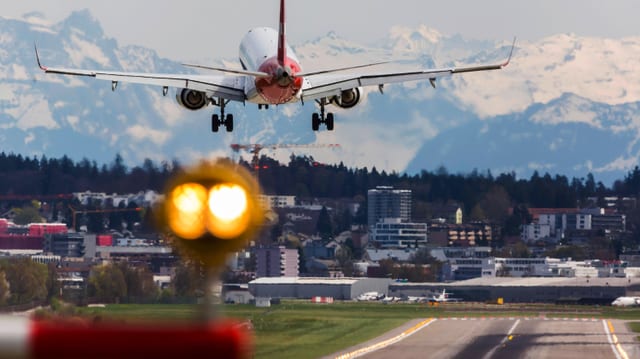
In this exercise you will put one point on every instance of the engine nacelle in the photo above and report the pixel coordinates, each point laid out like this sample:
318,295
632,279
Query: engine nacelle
348,98
191,99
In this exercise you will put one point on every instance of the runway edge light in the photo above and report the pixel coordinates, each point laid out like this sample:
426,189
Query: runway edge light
211,210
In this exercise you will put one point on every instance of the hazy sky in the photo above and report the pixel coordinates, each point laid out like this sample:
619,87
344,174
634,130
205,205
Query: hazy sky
195,29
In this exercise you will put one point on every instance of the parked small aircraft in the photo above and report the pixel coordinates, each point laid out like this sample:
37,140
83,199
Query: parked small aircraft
370,296
626,302
444,297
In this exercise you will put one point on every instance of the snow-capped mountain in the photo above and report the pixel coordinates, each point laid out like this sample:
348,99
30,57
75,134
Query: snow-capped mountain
566,104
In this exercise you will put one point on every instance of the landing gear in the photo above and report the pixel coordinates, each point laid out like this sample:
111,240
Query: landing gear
228,123
317,119
217,121
329,121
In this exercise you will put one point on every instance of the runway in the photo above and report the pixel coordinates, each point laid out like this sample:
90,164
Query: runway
486,338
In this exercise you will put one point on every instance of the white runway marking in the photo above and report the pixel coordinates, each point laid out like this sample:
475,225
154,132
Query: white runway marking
490,352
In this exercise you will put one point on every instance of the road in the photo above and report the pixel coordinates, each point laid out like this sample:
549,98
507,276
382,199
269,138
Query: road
485,338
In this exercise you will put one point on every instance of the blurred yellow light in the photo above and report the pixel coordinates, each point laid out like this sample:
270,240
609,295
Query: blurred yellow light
186,210
228,209
227,202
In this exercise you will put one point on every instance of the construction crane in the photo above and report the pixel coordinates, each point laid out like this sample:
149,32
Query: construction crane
256,148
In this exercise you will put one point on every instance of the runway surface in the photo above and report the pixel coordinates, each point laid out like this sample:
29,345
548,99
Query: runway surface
485,338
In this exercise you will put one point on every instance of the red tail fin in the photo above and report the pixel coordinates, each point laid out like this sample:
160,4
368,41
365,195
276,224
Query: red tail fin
282,51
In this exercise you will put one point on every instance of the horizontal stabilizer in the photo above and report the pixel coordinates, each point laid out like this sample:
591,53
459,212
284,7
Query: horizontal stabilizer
312,73
231,71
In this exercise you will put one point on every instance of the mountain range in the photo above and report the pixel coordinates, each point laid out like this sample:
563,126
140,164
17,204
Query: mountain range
565,105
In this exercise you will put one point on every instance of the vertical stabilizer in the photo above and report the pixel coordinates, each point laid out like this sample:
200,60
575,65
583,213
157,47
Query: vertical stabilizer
282,52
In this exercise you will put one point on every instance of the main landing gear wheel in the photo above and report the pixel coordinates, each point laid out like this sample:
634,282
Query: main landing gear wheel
317,119
216,123
228,123
329,121
221,120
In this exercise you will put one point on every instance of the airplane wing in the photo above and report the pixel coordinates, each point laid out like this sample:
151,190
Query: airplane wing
230,87
328,85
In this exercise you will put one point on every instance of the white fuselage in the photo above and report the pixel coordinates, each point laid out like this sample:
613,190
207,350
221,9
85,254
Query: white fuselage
626,302
258,52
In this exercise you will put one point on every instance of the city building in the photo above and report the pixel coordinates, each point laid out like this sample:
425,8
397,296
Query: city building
300,219
535,231
527,290
65,245
475,262
276,262
269,201
306,288
387,202
394,233
143,198
554,224
609,222
460,235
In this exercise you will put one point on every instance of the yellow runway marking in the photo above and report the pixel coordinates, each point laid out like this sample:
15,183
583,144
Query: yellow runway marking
385,343
615,343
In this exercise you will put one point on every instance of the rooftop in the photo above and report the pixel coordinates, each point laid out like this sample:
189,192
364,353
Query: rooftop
533,282
305,280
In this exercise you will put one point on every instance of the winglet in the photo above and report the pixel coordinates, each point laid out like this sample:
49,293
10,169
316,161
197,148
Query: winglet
282,51
510,53
43,68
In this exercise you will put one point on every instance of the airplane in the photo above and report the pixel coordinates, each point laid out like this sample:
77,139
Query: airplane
271,75
626,302
444,297
391,299
419,299
370,296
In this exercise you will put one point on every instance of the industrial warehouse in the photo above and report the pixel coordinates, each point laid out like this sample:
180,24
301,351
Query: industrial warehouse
306,288
512,290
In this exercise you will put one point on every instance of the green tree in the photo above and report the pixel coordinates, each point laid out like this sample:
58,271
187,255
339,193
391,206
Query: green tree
139,281
494,205
189,279
324,226
27,214
52,283
421,258
107,283
5,293
361,213
27,279
519,218
344,257
387,268
344,221
516,250
574,252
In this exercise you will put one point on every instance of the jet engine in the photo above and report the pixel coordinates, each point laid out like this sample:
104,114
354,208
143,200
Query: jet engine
347,98
191,99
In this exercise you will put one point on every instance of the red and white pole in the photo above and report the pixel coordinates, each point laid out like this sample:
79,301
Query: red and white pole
21,337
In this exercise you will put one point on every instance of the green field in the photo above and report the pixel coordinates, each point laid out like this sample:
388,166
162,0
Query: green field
635,327
296,329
